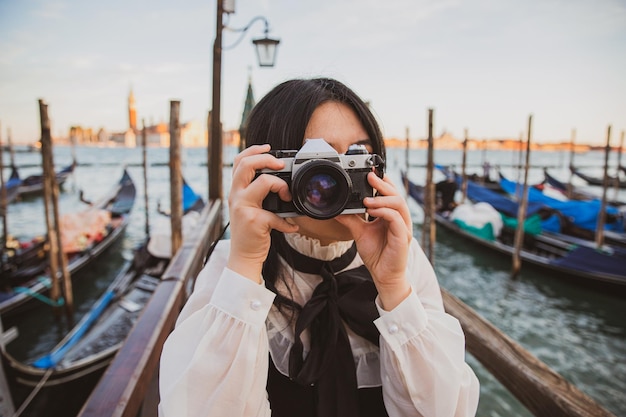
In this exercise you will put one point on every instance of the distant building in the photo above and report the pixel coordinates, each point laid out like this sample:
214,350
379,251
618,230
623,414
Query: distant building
103,136
231,137
127,138
81,135
132,112
447,141
191,135
157,135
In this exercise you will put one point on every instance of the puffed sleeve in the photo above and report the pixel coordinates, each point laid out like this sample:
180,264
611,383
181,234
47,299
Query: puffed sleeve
215,362
422,352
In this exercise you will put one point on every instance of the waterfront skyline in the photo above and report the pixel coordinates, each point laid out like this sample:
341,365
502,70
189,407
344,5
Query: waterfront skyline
481,64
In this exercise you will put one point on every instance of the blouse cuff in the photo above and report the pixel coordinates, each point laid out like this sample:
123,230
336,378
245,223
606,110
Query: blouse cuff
241,298
403,323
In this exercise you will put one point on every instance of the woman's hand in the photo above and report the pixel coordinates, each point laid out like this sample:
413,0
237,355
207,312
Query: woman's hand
383,244
250,224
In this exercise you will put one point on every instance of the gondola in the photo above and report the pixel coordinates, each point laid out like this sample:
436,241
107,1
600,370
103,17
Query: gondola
33,184
12,186
70,371
573,260
579,218
483,179
612,181
571,220
24,279
566,190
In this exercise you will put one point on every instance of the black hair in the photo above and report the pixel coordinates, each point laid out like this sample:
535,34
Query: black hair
281,117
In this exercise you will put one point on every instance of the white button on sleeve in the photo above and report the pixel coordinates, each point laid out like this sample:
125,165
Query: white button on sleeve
242,298
403,323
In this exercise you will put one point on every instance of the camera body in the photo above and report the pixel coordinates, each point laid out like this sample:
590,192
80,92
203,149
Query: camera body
323,183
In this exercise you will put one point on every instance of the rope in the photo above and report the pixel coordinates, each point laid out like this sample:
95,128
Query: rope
46,300
33,393
212,246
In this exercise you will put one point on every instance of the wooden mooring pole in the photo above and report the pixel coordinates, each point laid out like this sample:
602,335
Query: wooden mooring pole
605,185
11,150
618,168
406,150
521,211
619,153
518,168
464,170
58,260
176,178
483,160
146,200
429,231
216,191
3,197
51,245
570,187
406,160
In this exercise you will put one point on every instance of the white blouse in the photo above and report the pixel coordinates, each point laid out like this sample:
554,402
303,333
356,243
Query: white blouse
215,362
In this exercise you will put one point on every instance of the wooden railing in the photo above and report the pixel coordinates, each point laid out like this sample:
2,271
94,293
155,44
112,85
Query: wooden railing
128,387
533,383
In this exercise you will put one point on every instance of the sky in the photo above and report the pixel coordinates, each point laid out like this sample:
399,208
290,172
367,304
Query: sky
482,65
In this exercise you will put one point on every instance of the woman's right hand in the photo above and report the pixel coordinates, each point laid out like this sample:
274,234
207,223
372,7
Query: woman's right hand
250,224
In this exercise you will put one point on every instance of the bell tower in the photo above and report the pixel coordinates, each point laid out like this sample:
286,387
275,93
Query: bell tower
132,112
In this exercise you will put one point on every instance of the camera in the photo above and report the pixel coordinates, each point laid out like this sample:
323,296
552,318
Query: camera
323,183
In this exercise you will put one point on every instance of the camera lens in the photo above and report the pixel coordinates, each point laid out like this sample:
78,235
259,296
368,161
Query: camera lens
321,189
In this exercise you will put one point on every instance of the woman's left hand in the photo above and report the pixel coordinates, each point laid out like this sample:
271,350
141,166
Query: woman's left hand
384,243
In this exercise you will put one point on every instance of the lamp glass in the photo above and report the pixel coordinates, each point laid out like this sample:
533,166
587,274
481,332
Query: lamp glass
266,51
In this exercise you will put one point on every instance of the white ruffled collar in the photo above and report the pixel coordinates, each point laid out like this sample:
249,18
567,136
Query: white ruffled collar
313,248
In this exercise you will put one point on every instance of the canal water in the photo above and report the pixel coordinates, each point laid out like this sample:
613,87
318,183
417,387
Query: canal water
577,331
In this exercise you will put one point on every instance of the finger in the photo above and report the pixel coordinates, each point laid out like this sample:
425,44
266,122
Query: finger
384,186
264,184
255,152
394,202
396,224
282,225
252,150
276,222
252,225
248,167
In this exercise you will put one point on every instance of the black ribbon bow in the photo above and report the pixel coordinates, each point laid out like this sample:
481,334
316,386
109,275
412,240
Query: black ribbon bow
344,297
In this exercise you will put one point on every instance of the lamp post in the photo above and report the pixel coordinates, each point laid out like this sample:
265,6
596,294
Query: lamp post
266,54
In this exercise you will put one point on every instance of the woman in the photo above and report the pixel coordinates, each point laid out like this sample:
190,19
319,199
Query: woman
304,317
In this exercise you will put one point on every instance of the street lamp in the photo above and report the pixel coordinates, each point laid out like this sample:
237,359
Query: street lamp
266,54
265,47
266,51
